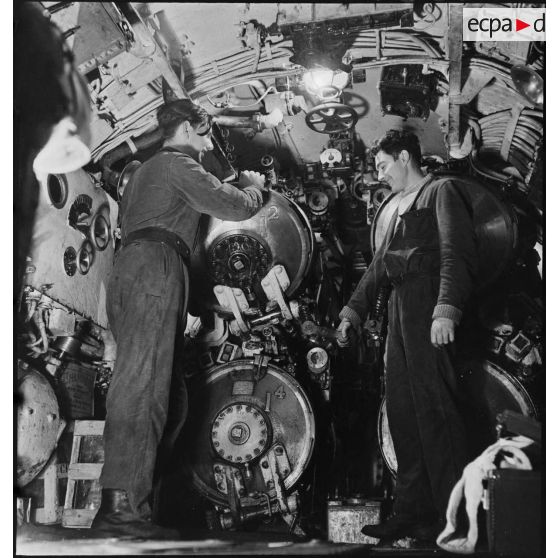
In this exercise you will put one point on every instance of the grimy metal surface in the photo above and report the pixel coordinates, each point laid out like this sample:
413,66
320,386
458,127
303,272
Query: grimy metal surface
39,424
287,406
280,226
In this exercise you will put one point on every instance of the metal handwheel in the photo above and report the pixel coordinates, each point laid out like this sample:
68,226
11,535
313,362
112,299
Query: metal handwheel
331,118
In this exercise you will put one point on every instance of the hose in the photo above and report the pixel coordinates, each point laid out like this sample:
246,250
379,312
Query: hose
260,99
523,146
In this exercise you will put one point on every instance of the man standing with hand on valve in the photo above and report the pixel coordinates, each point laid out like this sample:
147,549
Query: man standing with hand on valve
429,256
147,303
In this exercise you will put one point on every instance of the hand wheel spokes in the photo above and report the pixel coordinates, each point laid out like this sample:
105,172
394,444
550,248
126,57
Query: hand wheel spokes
331,118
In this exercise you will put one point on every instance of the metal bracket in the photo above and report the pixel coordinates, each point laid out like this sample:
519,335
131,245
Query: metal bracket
275,467
215,337
220,478
260,366
274,284
234,300
228,478
228,352
476,80
455,54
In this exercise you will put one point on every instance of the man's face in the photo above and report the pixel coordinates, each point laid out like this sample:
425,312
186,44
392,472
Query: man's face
200,138
390,170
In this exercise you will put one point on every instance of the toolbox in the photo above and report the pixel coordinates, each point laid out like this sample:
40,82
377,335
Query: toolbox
514,512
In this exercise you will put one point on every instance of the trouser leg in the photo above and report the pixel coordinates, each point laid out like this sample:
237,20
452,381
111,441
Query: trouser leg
412,491
168,455
441,433
145,301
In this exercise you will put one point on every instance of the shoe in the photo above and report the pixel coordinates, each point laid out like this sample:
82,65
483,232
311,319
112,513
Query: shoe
116,518
427,532
395,527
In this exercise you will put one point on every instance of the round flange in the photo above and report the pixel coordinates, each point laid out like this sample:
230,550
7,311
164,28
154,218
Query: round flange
318,202
57,188
331,118
240,254
99,231
288,418
239,260
85,257
240,433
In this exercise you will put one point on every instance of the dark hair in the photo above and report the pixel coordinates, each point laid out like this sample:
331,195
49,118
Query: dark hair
395,141
171,115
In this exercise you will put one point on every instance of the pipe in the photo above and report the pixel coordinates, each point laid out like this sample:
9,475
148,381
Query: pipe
265,319
111,176
238,122
257,122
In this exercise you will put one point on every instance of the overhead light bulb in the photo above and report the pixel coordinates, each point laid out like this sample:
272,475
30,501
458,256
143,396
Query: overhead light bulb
324,83
320,78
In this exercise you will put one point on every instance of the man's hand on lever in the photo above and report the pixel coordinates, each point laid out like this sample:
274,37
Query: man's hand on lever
344,336
251,178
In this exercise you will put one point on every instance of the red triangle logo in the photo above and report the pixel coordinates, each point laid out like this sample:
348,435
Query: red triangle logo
519,25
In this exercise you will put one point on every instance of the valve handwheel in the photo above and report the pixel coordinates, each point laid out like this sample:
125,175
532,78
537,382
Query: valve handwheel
331,118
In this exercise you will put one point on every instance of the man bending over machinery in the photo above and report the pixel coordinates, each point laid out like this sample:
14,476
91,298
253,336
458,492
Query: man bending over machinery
147,304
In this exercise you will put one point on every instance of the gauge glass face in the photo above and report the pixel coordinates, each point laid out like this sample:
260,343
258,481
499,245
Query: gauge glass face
70,261
57,189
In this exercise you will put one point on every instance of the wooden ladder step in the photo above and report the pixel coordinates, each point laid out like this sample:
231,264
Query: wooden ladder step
77,471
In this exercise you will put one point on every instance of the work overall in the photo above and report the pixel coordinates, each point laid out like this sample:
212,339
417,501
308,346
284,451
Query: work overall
427,430
147,301
147,400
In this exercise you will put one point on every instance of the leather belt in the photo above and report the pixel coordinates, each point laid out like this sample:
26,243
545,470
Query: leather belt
156,234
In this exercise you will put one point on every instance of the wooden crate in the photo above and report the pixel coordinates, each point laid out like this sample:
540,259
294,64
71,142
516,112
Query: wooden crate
47,492
83,493
48,489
